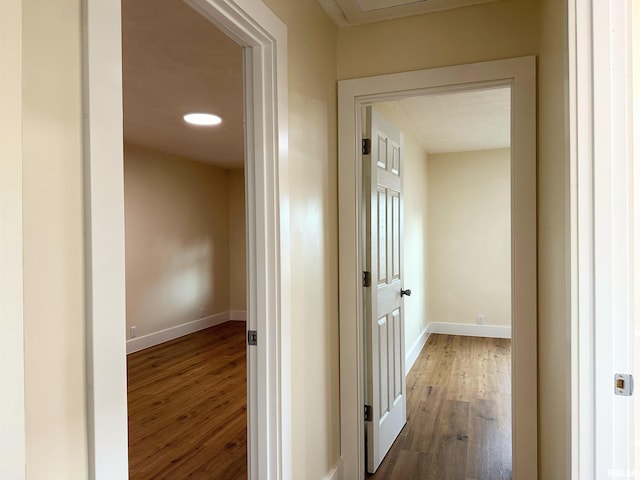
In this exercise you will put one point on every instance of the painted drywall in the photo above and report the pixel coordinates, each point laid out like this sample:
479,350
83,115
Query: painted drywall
415,262
554,360
469,237
464,35
54,310
177,239
12,440
237,243
314,236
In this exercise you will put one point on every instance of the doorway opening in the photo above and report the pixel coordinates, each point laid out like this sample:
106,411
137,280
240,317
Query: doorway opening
518,75
184,244
263,39
453,282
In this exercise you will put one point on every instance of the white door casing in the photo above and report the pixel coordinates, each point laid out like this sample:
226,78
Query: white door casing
520,75
386,382
264,38
603,191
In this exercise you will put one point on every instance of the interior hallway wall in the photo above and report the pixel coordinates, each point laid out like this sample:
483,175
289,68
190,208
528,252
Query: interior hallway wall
471,34
313,201
554,268
53,227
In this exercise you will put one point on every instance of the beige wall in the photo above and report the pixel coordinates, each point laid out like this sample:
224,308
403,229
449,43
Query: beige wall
314,236
178,229
237,243
12,439
56,423
415,263
553,245
469,237
472,34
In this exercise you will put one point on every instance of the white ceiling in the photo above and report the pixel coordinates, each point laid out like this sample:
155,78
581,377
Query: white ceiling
174,62
457,122
353,12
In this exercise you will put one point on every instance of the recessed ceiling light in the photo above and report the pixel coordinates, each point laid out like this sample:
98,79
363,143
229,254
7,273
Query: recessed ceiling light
206,119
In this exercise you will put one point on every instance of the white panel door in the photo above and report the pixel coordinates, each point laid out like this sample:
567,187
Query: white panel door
386,386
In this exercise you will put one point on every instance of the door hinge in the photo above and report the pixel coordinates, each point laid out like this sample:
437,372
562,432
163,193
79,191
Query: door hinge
366,146
623,384
366,279
252,337
368,414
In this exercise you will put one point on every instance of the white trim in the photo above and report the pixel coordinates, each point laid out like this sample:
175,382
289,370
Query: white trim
12,408
602,247
238,315
104,244
470,329
612,240
581,211
412,355
519,74
177,331
264,36
337,473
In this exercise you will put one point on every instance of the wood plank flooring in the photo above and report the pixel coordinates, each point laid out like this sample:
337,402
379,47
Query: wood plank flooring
188,407
458,413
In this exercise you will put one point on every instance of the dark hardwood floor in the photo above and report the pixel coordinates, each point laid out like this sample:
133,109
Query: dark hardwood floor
458,413
188,407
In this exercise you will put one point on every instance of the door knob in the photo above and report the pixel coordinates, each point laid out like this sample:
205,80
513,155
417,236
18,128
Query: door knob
405,292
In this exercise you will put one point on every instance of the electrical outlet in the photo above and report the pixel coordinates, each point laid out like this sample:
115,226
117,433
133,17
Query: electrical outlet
480,319
132,332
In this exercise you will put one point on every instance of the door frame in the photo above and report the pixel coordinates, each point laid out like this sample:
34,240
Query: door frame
605,209
264,38
520,75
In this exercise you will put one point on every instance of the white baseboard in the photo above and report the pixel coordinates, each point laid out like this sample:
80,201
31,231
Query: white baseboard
338,471
156,338
470,329
412,355
238,315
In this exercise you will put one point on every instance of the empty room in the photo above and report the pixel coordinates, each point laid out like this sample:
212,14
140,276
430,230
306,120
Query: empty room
184,190
440,357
